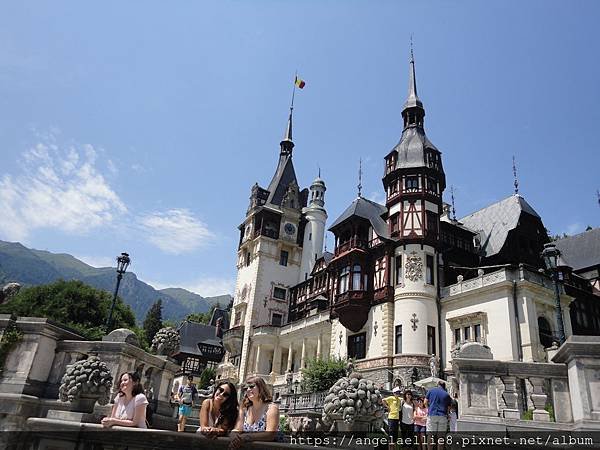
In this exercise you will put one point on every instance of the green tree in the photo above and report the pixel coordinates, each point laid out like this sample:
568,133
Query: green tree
205,377
153,321
73,304
320,374
203,317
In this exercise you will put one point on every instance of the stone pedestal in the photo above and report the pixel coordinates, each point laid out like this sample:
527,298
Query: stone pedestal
581,354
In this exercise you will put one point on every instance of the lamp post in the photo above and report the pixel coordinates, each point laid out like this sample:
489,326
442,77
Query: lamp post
550,254
122,264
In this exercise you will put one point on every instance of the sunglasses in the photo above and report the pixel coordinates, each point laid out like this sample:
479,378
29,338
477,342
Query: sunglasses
222,392
249,386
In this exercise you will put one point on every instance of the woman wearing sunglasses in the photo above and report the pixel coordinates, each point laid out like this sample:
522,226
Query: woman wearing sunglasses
258,419
219,413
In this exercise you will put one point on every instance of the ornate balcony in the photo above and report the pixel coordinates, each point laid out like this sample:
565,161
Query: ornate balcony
352,244
352,308
232,340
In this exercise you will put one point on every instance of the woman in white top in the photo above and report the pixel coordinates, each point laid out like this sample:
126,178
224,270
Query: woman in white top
129,409
407,420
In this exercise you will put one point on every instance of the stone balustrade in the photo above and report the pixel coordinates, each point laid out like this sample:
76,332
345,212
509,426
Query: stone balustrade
303,402
494,394
499,276
47,433
34,368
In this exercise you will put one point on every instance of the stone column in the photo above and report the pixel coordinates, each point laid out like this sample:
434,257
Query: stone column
277,360
258,355
510,398
303,357
538,398
319,345
290,357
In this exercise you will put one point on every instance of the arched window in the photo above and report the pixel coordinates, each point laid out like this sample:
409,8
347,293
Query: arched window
546,336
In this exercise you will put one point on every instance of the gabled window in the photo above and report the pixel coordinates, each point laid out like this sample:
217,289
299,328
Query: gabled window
357,346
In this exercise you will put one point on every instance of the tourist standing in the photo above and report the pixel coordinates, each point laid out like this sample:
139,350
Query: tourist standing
420,419
393,403
453,413
437,402
186,395
407,420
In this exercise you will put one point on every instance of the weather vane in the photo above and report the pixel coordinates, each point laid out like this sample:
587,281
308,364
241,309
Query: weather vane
452,197
359,177
515,176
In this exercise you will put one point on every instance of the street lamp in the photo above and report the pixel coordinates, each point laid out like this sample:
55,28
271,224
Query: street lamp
122,264
550,254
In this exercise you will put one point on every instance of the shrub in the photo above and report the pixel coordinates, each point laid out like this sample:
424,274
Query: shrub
320,374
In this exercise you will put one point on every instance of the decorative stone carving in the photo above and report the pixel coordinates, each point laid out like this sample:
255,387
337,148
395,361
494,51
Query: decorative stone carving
433,366
353,398
9,290
122,335
414,267
414,321
86,382
166,341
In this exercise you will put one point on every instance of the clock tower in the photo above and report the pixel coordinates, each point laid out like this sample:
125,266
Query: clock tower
268,265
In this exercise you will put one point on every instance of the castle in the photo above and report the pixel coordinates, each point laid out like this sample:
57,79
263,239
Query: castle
407,283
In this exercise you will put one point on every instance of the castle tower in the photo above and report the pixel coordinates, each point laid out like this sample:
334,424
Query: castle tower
314,232
269,256
414,182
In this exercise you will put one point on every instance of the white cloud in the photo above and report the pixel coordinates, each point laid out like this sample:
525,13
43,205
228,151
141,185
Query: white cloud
175,231
57,188
211,286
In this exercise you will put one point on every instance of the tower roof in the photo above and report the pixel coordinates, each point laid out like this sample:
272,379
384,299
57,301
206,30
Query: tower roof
284,175
494,222
582,250
366,209
413,99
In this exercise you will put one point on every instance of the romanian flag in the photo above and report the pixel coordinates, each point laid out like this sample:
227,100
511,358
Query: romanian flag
300,83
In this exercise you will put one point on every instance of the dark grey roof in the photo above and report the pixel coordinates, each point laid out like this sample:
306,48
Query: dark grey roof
284,175
220,313
193,333
493,222
582,250
413,99
327,256
369,210
411,148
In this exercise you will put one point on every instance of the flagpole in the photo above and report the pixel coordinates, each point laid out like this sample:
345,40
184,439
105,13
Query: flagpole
294,91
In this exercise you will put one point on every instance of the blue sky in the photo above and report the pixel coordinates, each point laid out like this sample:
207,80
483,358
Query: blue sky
140,126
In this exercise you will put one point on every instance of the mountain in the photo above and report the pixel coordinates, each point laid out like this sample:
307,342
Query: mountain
33,267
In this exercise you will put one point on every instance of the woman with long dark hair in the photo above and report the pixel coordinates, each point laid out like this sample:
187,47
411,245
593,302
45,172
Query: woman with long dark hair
258,419
129,409
219,413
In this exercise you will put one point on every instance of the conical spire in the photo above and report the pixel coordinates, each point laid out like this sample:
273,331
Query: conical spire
413,99
413,112
287,144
